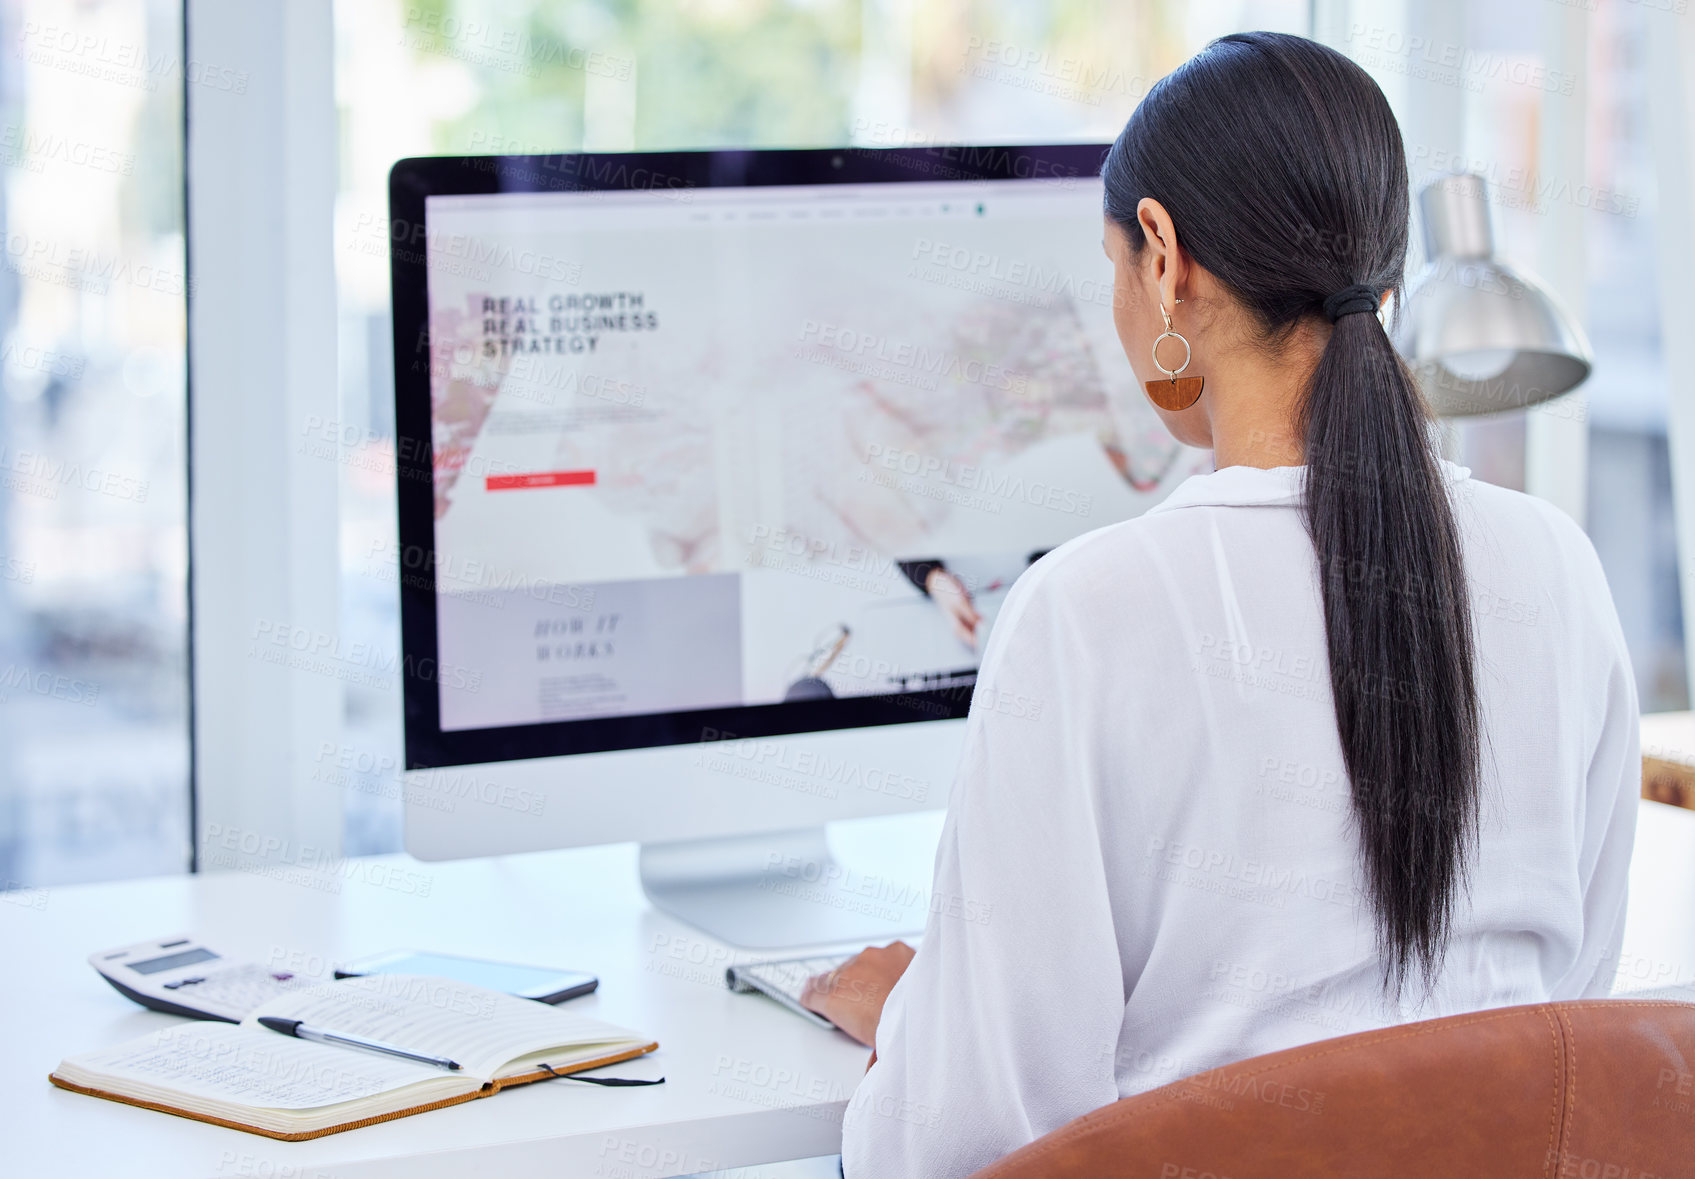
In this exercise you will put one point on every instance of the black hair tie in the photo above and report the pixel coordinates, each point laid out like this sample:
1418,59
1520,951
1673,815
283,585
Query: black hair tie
1355,300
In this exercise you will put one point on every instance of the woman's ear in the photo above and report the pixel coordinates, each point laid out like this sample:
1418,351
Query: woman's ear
1168,268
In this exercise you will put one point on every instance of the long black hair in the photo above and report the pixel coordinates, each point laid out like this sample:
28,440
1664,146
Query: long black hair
1282,169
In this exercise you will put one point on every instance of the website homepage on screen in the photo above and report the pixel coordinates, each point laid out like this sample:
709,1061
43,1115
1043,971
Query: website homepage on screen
730,447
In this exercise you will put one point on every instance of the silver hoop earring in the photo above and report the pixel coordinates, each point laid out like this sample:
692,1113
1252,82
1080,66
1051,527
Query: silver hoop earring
1175,392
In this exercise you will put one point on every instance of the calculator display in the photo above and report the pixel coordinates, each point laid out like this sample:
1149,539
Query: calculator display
186,958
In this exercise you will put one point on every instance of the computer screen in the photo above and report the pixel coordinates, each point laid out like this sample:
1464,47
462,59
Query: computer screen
744,459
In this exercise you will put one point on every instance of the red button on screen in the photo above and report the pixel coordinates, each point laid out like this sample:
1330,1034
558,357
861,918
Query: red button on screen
540,479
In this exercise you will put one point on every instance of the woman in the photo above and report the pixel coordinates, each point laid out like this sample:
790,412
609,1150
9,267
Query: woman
1334,738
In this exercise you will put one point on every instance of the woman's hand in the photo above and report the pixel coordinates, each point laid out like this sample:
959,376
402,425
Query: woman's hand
949,592
852,995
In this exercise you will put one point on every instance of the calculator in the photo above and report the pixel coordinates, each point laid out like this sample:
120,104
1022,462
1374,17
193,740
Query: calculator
184,976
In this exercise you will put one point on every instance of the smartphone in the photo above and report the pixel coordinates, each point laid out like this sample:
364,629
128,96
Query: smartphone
540,983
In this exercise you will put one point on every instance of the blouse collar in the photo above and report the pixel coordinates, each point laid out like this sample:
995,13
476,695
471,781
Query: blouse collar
1260,487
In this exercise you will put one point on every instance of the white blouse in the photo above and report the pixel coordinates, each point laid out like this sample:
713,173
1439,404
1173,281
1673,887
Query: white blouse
1148,867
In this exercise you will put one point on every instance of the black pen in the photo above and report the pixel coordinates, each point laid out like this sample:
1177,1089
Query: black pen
295,1027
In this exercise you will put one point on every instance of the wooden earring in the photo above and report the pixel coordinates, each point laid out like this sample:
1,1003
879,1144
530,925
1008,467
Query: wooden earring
1173,394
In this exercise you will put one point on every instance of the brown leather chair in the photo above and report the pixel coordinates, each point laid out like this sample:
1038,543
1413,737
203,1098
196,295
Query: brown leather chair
1599,1089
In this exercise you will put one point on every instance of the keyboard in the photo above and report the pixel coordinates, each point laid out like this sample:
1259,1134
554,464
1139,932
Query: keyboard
782,980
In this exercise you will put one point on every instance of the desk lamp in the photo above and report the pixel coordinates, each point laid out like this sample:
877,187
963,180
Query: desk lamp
1480,337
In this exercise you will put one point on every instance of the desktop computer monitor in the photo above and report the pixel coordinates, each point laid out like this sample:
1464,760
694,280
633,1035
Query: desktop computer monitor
714,469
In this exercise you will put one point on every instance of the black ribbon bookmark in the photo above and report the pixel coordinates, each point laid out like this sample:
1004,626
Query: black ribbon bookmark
609,1082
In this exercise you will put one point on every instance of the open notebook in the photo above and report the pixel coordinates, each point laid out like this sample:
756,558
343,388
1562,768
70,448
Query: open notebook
251,1078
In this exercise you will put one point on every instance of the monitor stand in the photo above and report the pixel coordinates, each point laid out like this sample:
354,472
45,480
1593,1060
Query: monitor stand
778,890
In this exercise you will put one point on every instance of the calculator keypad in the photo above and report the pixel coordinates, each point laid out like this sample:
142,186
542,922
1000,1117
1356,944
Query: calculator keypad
235,990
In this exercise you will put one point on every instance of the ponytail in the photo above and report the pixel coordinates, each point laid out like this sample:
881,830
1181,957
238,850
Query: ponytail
1282,168
1397,626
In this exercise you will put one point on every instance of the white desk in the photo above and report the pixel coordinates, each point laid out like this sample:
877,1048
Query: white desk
746,1081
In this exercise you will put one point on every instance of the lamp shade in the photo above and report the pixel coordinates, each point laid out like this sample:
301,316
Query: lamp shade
1479,336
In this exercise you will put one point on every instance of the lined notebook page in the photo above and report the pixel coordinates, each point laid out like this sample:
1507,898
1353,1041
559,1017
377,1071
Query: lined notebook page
481,1029
224,1062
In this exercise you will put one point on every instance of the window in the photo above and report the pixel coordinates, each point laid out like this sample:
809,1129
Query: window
1630,493
93,547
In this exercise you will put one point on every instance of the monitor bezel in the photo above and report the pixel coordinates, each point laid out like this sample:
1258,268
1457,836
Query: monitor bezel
411,182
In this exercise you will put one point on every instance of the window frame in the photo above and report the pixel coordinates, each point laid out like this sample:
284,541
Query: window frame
259,197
